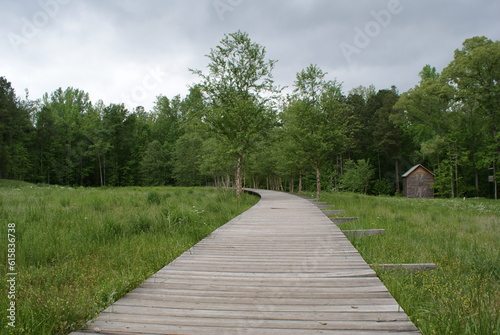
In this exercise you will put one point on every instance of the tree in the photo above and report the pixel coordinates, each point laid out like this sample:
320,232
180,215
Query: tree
134,142
115,135
388,135
61,142
458,109
430,117
475,72
154,165
364,92
316,119
15,130
187,159
99,145
216,162
238,88
166,126
357,176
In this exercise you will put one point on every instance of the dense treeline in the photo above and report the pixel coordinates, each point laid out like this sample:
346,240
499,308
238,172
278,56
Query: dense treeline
236,127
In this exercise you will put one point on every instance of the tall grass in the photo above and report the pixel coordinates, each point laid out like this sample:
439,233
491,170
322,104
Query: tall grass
78,250
462,237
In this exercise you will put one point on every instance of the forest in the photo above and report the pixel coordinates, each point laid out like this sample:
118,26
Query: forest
236,128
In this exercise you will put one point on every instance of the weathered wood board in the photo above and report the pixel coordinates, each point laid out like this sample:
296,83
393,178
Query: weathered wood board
340,220
279,268
363,232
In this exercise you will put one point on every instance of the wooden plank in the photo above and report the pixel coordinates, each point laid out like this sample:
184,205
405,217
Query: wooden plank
415,267
324,206
338,220
279,268
345,308
333,212
124,328
270,315
131,320
257,292
285,284
363,232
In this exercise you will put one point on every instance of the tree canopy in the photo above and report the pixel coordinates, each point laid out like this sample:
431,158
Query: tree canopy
238,80
235,128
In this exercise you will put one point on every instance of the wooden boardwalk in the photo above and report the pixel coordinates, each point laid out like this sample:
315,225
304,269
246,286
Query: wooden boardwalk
281,267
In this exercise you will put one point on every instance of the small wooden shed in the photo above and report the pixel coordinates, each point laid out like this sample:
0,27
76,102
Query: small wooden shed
417,182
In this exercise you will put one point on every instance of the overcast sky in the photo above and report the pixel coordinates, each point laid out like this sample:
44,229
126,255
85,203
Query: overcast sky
131,51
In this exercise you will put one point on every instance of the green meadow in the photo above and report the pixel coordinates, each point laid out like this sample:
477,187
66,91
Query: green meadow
79,250
462,237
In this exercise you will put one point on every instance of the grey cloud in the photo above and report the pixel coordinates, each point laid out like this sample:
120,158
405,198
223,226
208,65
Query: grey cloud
108,47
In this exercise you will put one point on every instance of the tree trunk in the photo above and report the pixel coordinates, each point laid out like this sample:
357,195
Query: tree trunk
495,180
104,180
457,186
100,170
300,183
397,176
239,175
318,182
476,174
451,182
380,168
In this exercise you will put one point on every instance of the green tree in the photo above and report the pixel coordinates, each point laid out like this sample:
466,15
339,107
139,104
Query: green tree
362,125
154,165
99,146
475,72
114,140
387,134
291,162
458,110
15,132
316,119
430,118
136,137
166,126
187,160
61,142
357,176
238,87
216,162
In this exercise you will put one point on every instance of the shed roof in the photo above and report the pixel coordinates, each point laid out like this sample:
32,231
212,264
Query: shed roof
407,173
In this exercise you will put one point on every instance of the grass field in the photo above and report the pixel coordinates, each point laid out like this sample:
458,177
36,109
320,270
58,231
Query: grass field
78,250
461,297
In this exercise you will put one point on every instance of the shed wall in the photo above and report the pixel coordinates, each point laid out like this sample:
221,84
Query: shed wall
418,184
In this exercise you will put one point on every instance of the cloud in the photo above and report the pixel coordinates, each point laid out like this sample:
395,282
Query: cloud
130,51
